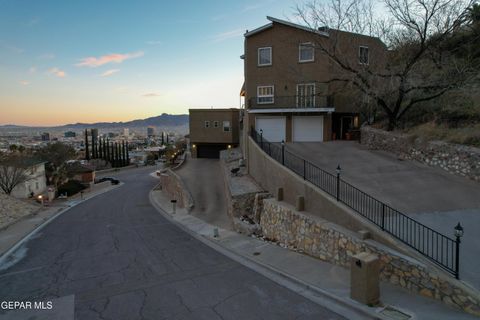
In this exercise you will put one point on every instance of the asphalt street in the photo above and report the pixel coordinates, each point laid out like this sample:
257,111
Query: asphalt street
116,257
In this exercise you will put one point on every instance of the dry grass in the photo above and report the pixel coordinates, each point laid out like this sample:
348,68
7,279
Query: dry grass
467,135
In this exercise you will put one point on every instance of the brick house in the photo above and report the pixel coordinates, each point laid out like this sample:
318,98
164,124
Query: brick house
288,90
212,130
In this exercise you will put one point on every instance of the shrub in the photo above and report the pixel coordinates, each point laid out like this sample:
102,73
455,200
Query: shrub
71,187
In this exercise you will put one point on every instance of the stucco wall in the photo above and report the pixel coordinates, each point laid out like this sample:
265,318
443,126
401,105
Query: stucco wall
326,241
456,159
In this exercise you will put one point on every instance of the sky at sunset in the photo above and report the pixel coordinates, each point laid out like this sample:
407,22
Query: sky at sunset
88,61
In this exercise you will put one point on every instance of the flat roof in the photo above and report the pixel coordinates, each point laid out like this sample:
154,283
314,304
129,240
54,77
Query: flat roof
213,109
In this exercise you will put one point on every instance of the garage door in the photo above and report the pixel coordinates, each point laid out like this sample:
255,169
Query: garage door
307,128
273,128
209,151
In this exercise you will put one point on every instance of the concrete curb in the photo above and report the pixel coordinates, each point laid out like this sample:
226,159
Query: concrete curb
315,294
4,257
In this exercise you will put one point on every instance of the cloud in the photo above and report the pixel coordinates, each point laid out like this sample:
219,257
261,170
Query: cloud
154,42
32,69
227,35
110,72
57,72
94,62
46,56
151,95
25,82
12,48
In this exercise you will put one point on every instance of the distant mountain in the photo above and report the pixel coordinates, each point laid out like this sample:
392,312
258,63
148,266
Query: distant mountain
164,120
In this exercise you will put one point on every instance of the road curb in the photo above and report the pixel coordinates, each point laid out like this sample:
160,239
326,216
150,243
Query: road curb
5,256
313,293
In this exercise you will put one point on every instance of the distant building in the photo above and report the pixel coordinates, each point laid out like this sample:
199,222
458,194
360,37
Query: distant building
111,135
70,134
36,182
126,132
94,133
150,132
45,136
212,130
80,172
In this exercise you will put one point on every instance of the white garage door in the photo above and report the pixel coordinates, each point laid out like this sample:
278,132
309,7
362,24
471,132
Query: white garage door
308,129
273,128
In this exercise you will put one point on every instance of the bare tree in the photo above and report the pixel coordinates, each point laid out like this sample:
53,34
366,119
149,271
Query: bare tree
12,173
417,66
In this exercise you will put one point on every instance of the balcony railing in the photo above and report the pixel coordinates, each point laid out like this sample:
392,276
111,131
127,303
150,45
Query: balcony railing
299,101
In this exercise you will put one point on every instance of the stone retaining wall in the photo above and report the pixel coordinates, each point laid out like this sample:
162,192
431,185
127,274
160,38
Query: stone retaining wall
329,242
457,159
173,185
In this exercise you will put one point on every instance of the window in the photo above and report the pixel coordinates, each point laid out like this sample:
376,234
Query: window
265,56
265,94
306,95
306,52
363,55
215,124
226,126
207,124
36,186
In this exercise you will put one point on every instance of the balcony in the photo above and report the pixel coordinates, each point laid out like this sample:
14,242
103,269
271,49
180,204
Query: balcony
290,102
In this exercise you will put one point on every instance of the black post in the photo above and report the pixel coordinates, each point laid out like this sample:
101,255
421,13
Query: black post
283,152
304,169
338,182
383,216
128,155
87,151
261,139
457,258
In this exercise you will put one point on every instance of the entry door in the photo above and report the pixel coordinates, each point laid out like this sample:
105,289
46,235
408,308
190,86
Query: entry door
273,128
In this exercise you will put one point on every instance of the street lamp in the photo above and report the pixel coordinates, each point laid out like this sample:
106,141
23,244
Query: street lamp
339,170
458,234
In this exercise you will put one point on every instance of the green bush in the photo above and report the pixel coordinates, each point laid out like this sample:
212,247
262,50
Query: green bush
71,187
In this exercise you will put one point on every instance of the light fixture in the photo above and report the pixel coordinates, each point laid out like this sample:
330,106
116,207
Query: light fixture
229,146
458,231
283,143
194,146
339,170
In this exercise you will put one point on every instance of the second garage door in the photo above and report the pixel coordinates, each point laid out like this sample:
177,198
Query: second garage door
273,128
307,129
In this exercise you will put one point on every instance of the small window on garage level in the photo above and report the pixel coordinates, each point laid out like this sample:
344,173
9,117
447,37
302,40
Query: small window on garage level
226,126
207,124
215,124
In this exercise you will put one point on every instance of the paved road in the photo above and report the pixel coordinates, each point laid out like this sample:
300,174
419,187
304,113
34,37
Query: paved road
204,179
120,259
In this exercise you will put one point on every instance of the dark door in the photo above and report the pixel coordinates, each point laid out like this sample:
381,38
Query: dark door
209,151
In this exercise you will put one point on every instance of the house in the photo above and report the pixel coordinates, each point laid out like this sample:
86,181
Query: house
291,90
212,130
79,172
36,180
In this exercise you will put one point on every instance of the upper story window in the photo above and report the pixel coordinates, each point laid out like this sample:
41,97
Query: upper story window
265,56
265,94
363,57
226,126
215,124
306,52
207,124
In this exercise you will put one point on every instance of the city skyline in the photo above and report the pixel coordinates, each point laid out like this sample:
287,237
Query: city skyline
91,62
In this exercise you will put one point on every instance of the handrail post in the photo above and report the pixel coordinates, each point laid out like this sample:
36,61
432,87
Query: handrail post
338,182
261,138
304,167
457,258
383,216
283,152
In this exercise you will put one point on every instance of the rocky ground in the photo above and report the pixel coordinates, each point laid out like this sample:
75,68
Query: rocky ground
12,209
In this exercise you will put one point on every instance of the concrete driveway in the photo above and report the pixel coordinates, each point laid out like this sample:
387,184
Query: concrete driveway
204,180
430,195
407,186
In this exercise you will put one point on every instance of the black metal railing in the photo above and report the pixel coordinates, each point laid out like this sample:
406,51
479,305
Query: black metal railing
440,249
298,101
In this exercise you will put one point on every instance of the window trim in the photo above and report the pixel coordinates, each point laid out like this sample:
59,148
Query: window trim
300,50
206,124
368,55
229,126
258,57
314,93
265,96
